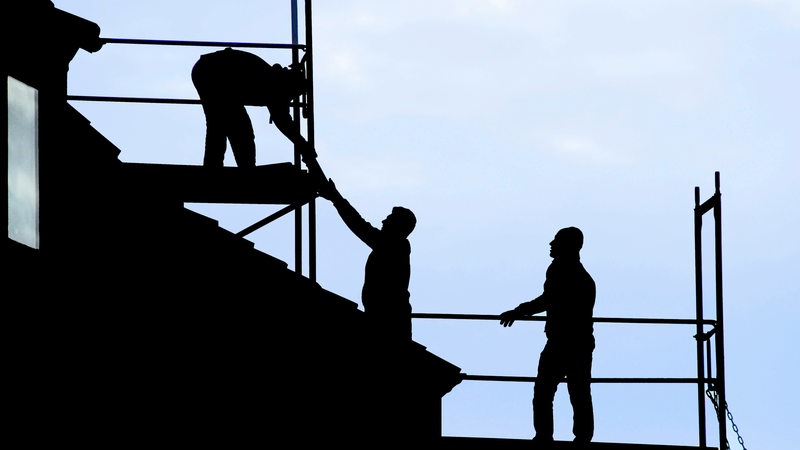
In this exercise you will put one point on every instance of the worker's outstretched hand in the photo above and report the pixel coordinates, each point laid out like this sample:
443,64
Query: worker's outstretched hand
328,191
309,156
307,151
507,318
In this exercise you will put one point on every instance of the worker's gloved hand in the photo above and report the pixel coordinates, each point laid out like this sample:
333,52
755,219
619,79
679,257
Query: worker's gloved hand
328,191
307,151
507,318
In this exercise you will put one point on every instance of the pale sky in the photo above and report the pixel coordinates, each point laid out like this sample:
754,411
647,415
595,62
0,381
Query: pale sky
497,123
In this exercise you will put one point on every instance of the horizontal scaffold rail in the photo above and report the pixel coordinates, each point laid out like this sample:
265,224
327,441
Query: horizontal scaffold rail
594,380
98,98
542,319
200,43
179,101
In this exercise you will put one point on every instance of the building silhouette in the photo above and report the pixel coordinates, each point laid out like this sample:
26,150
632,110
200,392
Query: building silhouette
137,321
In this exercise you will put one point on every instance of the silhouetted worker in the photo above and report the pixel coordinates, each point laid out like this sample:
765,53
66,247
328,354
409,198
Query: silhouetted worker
387,272
226,81
387,310
568,299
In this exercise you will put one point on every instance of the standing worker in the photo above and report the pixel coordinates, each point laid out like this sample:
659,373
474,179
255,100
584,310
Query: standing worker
568,299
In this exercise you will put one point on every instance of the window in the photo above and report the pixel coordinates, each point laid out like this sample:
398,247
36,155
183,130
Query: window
23,163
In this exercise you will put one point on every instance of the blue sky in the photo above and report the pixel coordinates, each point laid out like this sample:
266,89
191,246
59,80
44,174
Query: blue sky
497,123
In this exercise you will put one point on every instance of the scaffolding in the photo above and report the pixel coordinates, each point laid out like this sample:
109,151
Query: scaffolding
706,381
710,359
302,108
717,383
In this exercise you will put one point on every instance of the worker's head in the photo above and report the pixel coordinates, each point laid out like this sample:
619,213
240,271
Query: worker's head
292,79
401,221
568,241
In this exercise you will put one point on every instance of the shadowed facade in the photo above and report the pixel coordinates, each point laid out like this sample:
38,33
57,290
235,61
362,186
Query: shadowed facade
136,320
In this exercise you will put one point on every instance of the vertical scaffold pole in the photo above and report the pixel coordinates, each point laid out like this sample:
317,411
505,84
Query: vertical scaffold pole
720,334
698,271
298,213
312,208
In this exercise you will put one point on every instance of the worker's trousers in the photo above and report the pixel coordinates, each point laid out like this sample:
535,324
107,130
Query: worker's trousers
573,360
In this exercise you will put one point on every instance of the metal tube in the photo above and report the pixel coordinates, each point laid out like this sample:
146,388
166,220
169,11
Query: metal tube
309,115
198,43
720,337
613,380
641,320
698,270
298,213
